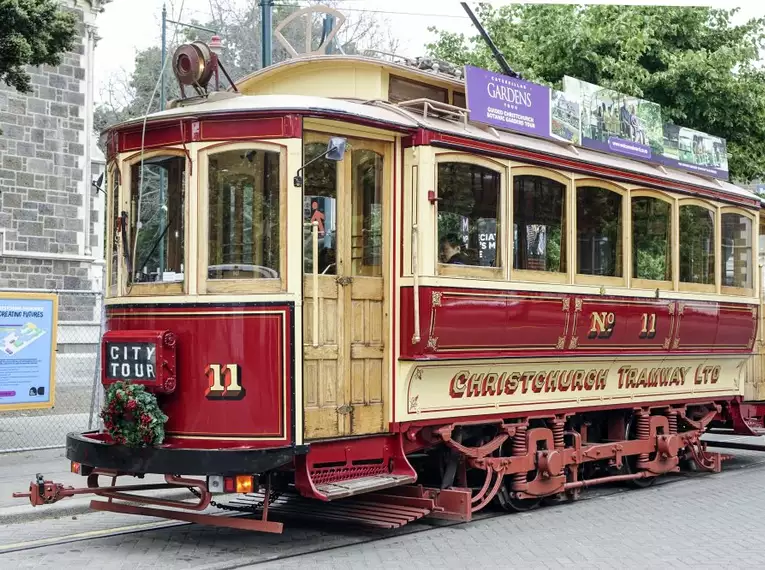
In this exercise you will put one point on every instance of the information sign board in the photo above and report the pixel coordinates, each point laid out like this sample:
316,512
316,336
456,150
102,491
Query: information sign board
28,324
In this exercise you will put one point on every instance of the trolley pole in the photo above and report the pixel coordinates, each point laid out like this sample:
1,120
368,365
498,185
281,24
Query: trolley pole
266,12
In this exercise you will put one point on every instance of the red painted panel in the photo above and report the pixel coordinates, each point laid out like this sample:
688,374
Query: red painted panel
230,129
611,323
464,323
737,327
255,338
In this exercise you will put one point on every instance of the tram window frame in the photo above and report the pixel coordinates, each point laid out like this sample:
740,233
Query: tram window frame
626,227
653,284
689,286
112,244
159,287
500,272
247,284
752,266
560,277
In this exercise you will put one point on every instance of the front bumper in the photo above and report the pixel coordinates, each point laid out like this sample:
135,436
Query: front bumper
90,449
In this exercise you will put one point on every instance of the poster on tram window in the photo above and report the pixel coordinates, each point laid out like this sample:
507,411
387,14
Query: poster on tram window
27,350
617,123
695,151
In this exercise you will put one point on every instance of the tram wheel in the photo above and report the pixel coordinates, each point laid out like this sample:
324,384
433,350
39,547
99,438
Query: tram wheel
630,463
509,502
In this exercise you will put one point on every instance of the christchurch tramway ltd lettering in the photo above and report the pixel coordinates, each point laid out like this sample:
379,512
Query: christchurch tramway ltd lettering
465,384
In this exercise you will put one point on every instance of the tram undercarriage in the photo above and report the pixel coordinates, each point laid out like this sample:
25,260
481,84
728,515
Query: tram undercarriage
448,471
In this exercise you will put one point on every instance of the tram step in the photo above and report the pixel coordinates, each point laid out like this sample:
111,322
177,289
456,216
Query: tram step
342,489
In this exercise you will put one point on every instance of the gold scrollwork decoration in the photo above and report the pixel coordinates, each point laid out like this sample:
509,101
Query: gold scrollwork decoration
433,342
436,299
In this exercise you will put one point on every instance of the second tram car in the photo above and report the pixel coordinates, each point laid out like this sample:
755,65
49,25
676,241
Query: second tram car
336,285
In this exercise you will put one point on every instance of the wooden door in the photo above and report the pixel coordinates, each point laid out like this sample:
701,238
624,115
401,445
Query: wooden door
345,321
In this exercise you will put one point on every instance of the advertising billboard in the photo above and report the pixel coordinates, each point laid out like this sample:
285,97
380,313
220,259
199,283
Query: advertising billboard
594,117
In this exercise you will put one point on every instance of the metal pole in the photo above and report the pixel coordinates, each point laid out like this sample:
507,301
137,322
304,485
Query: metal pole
266,10
497,54
164,55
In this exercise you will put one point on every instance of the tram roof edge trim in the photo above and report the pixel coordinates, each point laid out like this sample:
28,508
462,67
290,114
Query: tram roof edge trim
401,118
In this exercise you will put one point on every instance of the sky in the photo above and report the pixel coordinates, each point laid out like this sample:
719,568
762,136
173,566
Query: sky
128,26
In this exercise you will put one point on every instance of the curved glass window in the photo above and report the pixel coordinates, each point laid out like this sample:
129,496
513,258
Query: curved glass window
736,252
157,196
651,239
468,214
599,231
697,249
243,215
539,224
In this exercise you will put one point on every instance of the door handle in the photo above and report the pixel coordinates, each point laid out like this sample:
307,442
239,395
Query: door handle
344,281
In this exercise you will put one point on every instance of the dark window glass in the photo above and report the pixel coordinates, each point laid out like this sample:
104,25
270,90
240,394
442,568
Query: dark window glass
651,239
539,224
158,189
697,251
736,251
599,231
468,214
400,89
243,216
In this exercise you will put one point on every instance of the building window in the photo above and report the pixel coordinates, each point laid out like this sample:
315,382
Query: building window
468,214
243,215
736,252
697,250
599,231
539,224
400,89
157,195
651,239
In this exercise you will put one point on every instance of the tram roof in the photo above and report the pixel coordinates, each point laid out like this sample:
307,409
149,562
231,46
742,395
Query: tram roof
400,118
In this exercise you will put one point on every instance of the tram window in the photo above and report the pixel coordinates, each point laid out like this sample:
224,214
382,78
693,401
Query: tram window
157,194
697,250
458,100
366,241
651,250
400,89
736,254
320,206
599,231
468,214
243,215
539,224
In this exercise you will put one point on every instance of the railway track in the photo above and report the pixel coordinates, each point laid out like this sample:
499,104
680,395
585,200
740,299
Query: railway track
742,460
420,526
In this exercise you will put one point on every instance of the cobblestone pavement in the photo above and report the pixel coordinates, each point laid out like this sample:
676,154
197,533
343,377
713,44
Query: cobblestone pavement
688,521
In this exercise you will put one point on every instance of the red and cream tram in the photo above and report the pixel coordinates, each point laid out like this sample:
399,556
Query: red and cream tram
335,284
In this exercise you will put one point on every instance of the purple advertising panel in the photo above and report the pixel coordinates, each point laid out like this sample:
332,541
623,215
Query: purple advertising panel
507,103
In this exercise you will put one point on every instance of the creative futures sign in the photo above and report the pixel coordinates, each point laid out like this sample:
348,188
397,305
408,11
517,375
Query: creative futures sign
593,117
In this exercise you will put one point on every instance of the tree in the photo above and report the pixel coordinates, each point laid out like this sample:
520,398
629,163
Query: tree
694,62
32,32
237,22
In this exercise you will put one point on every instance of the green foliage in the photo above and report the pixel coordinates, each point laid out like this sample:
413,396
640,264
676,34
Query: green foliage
700,68
32,32
132,417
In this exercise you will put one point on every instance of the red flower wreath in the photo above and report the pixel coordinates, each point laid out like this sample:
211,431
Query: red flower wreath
132,417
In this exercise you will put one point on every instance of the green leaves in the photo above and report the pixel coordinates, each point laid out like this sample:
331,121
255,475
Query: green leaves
32,32
700,68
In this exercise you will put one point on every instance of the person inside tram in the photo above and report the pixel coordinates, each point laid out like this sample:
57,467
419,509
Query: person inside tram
451,250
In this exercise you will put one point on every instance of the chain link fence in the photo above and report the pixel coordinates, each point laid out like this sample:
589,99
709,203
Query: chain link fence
78,393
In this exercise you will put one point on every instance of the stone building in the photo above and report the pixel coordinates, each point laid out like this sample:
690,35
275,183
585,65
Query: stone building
51,218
